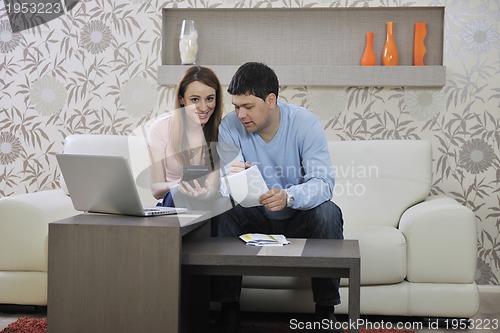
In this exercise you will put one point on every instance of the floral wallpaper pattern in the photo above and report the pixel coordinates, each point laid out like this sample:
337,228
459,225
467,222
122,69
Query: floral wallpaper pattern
93,70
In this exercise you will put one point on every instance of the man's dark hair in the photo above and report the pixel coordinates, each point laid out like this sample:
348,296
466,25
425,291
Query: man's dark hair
254,78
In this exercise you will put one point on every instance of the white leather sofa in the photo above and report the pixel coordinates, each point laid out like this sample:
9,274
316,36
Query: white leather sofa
418,253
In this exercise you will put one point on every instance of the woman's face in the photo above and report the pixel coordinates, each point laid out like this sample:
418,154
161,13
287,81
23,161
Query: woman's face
199,101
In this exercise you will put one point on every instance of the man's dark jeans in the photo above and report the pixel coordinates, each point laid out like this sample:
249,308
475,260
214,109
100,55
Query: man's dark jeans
324,221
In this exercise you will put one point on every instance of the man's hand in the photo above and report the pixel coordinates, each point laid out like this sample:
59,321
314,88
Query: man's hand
238,166
274,199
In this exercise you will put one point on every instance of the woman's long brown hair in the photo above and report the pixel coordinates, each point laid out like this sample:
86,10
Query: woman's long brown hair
210,129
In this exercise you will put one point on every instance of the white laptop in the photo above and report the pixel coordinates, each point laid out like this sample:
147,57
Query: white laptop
105,184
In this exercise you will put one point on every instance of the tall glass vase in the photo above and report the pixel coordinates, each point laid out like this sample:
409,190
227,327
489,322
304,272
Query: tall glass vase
368,58
419,48
188,42
390,52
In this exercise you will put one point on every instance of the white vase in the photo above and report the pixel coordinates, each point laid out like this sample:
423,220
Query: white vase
188,42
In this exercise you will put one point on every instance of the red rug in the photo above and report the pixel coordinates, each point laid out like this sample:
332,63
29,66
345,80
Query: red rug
27,325
39,325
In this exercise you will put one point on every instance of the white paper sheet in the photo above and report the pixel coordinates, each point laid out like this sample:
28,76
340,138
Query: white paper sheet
247,186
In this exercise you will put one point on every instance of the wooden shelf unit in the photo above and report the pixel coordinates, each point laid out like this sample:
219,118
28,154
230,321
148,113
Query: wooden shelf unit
307,46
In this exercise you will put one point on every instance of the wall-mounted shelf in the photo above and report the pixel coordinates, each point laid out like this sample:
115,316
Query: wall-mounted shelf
379,76
307,46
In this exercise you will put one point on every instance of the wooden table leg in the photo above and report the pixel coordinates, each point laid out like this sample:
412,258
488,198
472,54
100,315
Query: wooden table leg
354,298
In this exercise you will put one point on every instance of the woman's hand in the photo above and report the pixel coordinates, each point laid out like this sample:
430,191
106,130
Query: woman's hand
159,189
196,191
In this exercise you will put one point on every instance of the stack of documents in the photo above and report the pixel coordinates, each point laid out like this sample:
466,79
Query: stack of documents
264,240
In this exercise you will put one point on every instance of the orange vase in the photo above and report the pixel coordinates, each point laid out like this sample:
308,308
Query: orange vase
390,52
418,44
368,58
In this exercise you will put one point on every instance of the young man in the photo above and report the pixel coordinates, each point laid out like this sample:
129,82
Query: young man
288,145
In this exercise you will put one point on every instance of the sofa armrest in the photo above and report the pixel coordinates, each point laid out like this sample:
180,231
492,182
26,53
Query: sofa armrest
24,228
441,241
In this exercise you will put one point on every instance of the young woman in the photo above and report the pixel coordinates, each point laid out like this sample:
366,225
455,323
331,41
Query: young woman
185,138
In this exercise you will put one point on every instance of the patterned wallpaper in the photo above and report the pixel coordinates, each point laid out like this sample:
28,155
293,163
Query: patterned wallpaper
93,70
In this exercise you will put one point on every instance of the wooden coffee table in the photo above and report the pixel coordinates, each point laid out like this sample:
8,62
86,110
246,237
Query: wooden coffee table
303,257
113,273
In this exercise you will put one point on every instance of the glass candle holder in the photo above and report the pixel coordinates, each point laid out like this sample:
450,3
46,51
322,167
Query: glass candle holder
188,42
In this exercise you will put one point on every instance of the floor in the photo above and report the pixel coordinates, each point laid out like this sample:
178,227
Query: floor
487,320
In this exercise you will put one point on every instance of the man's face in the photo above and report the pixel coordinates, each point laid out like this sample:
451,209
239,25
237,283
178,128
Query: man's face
253,112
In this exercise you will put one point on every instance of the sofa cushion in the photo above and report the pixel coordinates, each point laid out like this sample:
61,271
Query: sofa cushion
383,253
23,288
376,181
24,228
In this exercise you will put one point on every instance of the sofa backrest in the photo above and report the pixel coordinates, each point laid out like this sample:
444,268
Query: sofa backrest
377,180
133,147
